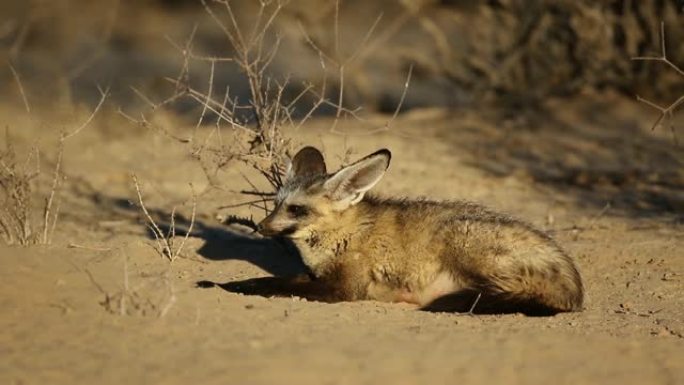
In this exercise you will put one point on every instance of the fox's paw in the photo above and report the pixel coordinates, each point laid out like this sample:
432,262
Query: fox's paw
259,286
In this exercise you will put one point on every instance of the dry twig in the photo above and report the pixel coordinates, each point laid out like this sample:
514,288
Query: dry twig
21,87
103,97
666,112
166,245
49,215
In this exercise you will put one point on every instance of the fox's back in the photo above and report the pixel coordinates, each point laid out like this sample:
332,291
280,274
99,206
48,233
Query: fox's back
425,248
429,230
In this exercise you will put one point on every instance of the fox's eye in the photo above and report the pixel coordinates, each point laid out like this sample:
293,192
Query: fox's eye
297,211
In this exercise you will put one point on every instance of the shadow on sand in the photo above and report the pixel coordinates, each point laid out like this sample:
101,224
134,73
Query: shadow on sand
593,153
278,257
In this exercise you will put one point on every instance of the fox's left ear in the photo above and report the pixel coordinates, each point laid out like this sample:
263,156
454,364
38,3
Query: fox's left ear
307,162
348,186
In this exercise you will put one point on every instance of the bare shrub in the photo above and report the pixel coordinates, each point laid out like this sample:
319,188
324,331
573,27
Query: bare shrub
166,244
18,192
139,294
252,132
257,140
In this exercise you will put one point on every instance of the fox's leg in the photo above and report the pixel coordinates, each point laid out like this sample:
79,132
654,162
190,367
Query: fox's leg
301,286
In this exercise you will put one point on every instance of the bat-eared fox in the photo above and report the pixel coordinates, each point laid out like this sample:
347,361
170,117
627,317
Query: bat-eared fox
441,256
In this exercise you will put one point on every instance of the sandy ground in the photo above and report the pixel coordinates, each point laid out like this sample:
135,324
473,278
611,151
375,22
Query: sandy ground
100,306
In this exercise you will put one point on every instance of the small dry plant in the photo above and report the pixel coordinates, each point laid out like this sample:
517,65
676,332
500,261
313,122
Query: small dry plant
140,293
166,244
666,112
19,185
251,132
18,179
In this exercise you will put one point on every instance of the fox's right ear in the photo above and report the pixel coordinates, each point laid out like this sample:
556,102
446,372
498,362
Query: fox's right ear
307,162
348,186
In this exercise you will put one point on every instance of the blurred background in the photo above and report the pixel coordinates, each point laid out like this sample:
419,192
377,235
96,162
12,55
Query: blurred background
462,51
544,89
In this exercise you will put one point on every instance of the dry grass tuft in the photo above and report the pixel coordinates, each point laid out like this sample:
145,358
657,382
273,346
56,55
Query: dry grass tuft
18,192
140,293
19,185
166,244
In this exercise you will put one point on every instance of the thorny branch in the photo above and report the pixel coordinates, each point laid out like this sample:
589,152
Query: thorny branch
666,112
257,124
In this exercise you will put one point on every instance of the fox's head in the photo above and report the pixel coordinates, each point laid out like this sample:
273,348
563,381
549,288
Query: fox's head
310,198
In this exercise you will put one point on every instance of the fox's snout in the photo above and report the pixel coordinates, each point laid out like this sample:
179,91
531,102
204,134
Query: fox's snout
264,227
271,227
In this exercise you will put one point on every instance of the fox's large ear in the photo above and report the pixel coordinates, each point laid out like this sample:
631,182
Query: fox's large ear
307,162
348,185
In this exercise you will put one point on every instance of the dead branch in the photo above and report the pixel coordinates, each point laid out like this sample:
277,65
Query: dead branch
151,223
93,248
48,229
666,112
103,97
663,53
21,87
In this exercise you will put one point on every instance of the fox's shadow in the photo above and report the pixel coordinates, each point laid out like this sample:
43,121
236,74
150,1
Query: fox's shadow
278,257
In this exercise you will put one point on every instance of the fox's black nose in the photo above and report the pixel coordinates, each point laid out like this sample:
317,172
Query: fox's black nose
261,229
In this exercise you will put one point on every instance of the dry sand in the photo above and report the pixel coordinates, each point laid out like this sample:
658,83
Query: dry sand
99,306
